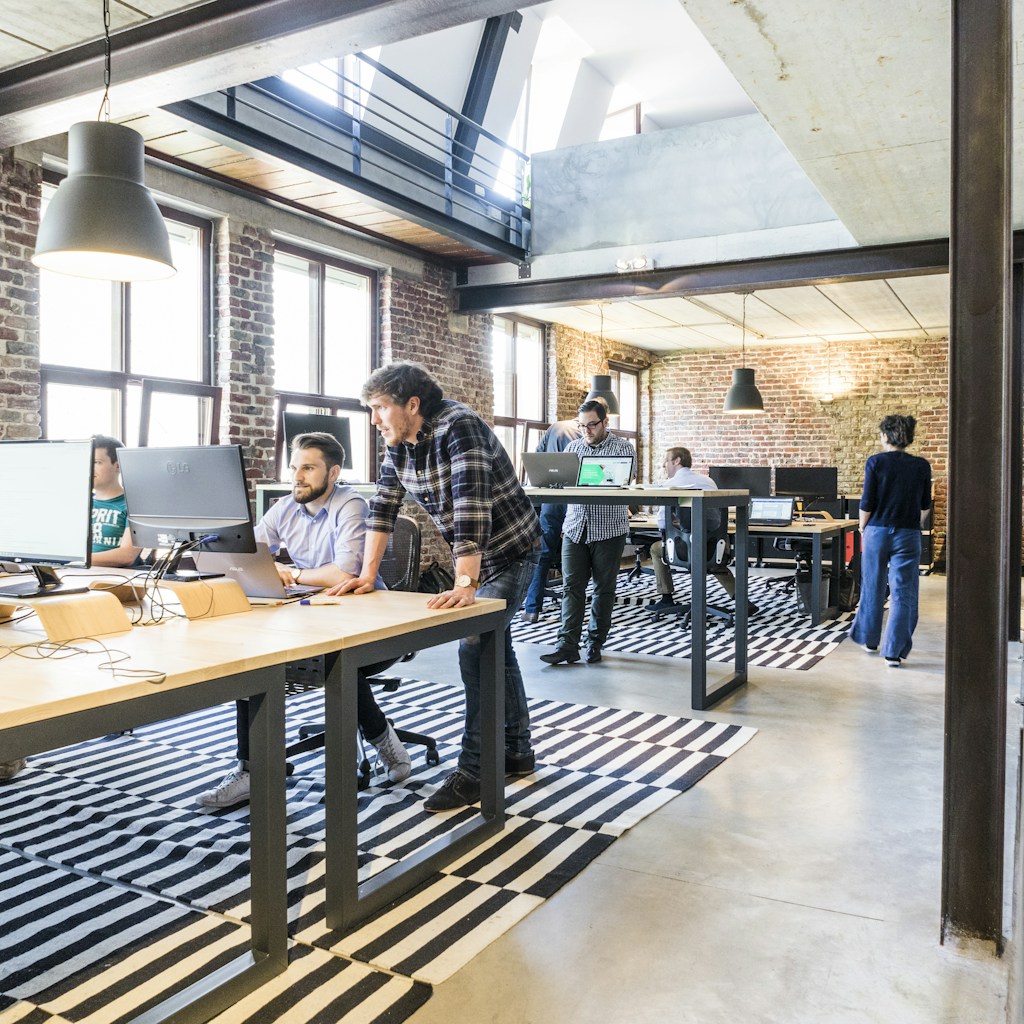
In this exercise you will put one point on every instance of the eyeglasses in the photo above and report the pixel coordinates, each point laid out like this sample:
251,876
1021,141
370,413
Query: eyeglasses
590,426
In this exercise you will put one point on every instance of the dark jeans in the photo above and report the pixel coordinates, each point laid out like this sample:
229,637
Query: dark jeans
372,722
599,560
510,586
893,556
551,519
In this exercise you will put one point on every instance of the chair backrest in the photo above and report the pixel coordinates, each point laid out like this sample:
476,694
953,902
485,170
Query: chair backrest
400,566
677,543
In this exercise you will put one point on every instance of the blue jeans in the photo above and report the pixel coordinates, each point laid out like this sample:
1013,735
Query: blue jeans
510,586
598,559
886,551
551,519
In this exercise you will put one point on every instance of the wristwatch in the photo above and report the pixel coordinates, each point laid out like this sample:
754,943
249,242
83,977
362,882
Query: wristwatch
296,573
466,581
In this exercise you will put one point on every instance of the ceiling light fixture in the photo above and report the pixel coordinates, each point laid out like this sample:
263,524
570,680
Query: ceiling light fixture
743,398
102,222
623,266
601,383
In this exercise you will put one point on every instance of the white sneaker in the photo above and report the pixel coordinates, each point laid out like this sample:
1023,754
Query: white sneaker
234,789
396,758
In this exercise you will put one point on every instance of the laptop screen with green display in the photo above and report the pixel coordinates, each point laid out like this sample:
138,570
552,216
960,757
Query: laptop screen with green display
605,470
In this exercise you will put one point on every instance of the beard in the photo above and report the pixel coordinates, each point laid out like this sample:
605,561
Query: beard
314,493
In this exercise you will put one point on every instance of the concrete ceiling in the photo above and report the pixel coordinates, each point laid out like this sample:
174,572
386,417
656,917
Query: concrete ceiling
858,92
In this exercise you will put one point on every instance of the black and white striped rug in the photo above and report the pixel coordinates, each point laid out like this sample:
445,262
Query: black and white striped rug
114,887
778,636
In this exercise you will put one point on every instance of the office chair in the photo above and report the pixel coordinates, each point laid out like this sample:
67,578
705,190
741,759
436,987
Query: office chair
676,552
641,538
801,549
400,570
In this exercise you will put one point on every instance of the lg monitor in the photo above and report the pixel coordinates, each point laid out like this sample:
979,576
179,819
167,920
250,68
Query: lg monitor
45,512
807,482
756,479
296,423
187,499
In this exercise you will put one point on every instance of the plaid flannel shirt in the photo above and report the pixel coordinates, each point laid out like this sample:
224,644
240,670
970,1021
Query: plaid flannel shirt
601,522
459,472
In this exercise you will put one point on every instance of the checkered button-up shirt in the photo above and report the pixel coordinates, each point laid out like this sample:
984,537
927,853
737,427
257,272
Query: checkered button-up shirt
599,522
459,472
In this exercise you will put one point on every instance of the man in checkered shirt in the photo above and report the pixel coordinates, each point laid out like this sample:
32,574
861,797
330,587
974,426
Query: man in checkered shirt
593,537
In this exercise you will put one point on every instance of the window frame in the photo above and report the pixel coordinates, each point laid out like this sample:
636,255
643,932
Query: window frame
522,426
616,369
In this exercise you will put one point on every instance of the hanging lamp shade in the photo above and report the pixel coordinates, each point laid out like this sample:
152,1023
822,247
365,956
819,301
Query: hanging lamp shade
743,397
601,387
102,222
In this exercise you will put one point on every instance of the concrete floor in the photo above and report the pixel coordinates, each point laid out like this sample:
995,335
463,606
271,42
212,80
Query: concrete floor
799,882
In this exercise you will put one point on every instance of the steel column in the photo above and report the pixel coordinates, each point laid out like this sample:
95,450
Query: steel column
1016,444
978,523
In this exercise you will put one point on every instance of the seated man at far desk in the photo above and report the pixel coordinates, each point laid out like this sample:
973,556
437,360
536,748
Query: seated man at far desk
679,473
323,526
111,541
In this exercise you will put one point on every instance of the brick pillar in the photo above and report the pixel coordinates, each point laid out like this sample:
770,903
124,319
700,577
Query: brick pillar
244,318
19,299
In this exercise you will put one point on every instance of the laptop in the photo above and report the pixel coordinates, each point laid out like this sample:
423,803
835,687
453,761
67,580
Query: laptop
605,470
256,574
770,512
552,469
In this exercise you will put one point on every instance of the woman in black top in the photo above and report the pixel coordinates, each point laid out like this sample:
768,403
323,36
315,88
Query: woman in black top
897,494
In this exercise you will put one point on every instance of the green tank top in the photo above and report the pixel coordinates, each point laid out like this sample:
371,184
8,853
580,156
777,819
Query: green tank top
109,518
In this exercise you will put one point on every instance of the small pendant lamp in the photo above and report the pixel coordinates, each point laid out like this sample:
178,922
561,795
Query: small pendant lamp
743,398
601,383
102,222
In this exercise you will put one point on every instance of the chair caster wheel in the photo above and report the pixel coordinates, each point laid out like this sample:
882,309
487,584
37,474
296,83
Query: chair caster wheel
433,757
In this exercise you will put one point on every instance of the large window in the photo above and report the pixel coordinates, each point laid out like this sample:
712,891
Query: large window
325,339
98,340
626,385
519,364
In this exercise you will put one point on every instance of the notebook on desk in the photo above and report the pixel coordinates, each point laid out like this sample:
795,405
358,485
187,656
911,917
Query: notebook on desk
551,469
605,470
770,512
256,574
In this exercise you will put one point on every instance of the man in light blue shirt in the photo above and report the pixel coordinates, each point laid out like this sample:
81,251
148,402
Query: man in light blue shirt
322,524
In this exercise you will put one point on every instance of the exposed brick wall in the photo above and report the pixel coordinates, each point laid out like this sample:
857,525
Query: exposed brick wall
869,380
19,299
244,317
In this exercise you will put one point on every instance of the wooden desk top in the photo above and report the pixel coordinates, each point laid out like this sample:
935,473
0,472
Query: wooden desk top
194,651
809,527
638,494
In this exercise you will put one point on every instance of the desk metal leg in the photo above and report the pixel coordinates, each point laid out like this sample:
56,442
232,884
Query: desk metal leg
222,989
347,902
816,579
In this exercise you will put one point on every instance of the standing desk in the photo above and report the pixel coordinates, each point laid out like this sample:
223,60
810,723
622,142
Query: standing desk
46,704
700,699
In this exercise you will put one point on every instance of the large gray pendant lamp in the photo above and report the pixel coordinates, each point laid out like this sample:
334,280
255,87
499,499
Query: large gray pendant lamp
743,398
102,222
601,383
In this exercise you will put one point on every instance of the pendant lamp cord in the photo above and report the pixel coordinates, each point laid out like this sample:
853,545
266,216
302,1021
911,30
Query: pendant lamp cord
104,112
743,357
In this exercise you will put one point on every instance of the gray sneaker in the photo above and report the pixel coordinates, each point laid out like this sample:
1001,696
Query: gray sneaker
8,769
394,756
234,789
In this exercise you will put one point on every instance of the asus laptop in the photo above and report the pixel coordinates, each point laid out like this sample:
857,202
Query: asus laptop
770,512
256,574
551,469
605,470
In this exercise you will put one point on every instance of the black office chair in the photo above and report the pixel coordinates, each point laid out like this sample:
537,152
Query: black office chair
801,549
400,570
642,539
676,552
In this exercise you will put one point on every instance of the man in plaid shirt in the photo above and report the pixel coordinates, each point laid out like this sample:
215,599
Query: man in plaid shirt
593,537
443,456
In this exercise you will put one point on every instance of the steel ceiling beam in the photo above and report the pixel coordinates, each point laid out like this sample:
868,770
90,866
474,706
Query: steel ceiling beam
207,47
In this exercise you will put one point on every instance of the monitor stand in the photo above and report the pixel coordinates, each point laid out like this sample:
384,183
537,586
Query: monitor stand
172,574
46,583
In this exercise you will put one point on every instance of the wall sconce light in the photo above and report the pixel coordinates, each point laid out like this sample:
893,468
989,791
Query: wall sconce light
743,398
103,222
623,266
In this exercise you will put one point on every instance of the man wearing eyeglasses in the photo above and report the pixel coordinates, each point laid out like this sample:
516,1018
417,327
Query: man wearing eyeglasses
593,537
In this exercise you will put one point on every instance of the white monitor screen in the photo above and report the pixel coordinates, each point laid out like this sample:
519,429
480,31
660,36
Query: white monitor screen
46,502
605,470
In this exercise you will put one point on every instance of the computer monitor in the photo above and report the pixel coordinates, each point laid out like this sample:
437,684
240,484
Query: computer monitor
296,423
185,499
807,482
45,512
756,479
